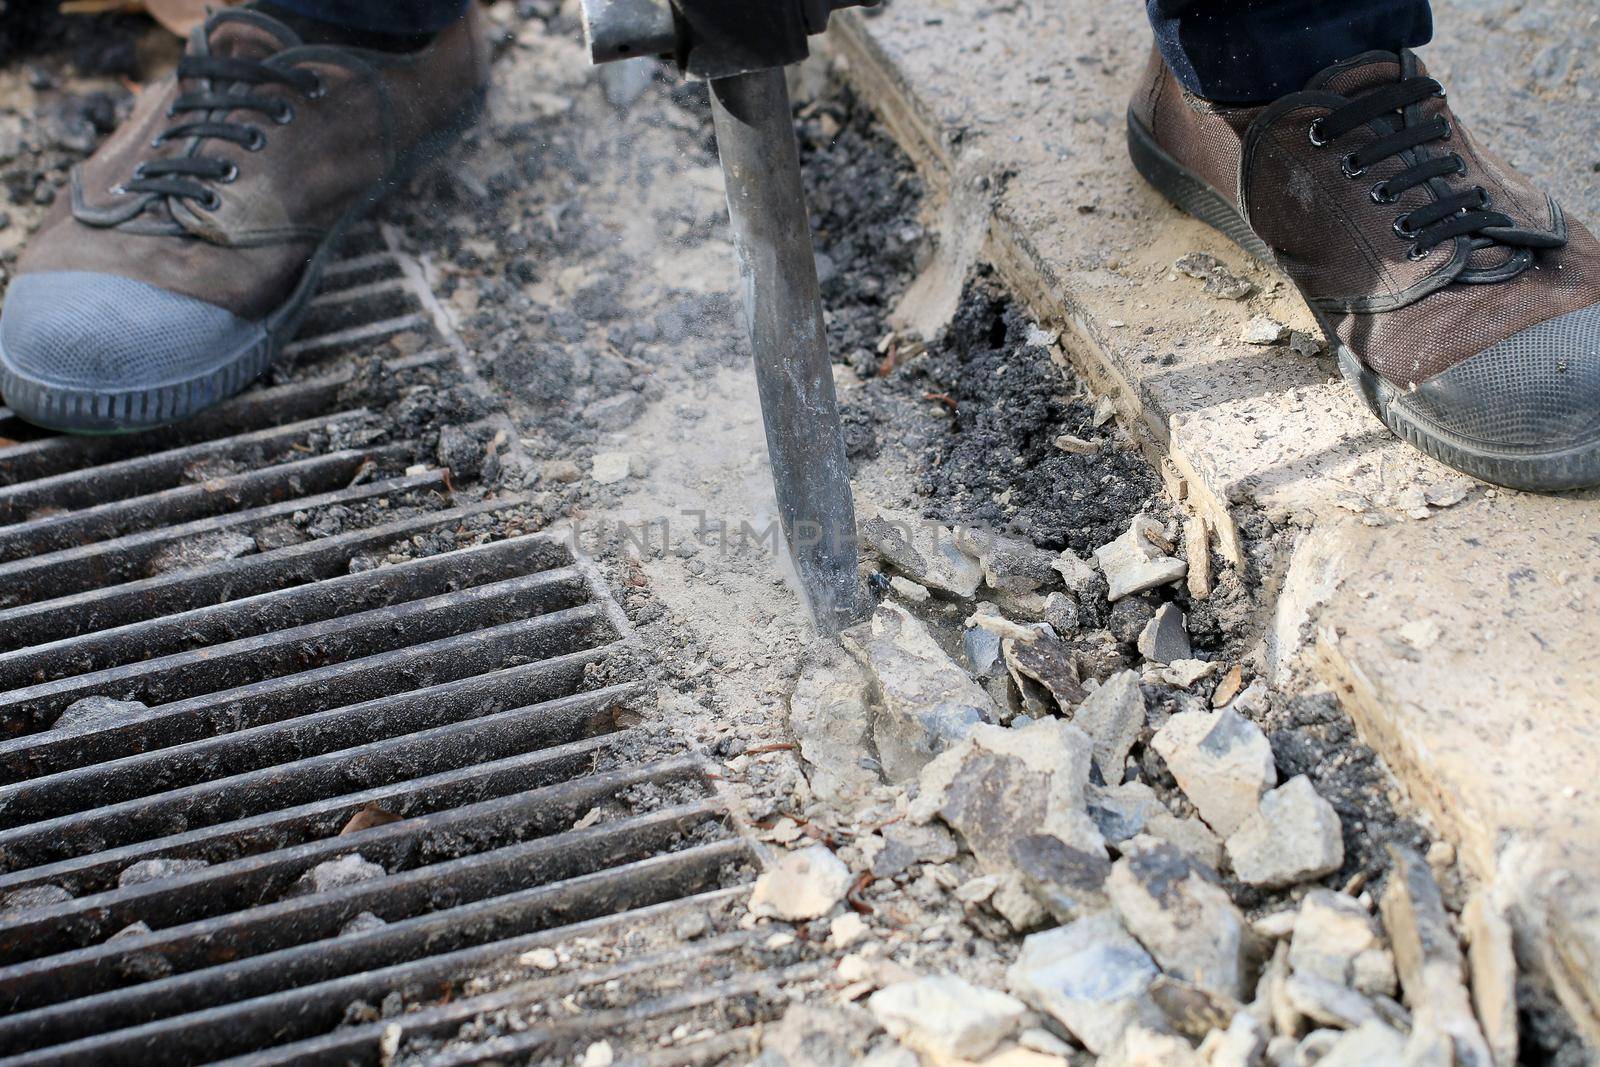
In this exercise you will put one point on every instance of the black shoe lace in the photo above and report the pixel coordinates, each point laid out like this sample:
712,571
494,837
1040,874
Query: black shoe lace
185,176
1454,213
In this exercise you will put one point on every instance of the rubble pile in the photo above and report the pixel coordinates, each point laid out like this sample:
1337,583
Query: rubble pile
1086,847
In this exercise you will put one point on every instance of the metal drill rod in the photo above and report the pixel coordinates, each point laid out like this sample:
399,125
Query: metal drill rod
783,313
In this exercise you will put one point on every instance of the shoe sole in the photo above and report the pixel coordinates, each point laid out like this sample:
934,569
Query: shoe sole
121,411
1572,468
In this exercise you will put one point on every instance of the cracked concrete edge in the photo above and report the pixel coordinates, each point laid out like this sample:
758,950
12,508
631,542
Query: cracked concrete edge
1558,929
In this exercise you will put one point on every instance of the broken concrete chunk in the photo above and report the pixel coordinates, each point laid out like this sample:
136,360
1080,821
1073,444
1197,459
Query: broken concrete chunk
1240,1045
925,552
1124,812
335,874
155,869
1009,565
1069,883
1184,673
1001,785
1190,1010
1335,939
1014,903
982,648
945,1016
1048,662
1306,345
1089,976
1429,960
1187,922
1134,562
804,884
1494,975
1113,716
1328,1003
1263,330
1142,1046
928,703
1368,1045
613,467
90,713
1293,837
1223,763
1080,578
830,713
1165,638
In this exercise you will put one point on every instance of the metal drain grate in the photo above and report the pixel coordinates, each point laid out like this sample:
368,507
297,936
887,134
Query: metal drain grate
422,684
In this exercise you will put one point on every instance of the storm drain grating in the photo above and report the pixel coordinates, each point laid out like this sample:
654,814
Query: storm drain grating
383,737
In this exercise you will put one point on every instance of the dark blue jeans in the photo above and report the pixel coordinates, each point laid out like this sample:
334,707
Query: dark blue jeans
1231,50
1252,51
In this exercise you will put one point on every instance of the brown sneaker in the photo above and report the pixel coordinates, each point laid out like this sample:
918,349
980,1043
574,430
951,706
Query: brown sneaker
194,238
1464,305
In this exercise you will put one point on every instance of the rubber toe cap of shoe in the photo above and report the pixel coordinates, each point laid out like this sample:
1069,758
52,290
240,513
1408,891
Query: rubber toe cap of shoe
1535,393
99,349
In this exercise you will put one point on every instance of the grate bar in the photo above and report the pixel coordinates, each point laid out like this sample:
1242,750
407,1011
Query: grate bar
287,718
118,518
357,334
257,410
93,566
158,470
283,652
241,883
292,803
168,594
89,991
265,612
237,1028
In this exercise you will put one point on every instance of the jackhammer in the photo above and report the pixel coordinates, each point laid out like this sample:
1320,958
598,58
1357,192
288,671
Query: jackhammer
740,47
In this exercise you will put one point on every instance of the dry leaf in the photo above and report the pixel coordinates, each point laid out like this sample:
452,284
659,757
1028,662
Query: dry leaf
367,818
179,16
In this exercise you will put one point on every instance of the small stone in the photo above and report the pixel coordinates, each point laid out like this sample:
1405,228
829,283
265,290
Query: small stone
928,703
1090,976
945,1016
156,869
1113,717
1197,547
1229,687
614,413
1293,837
925,552
1219,281
335,874
1133,562
545,959
906,844
1187,922
611,467
561,471
1061,613
1222,761
1076,446
1420,634
1429,960
845,930
90,713
1263,330
140,928
203,551
1021,910
982,648
801,885
1328,1003
1185,673
361,923
917,594
1190,1010
1105,409
598,1054
1331,933
1305,345
35,896
1038,1039
691,926
1166,637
